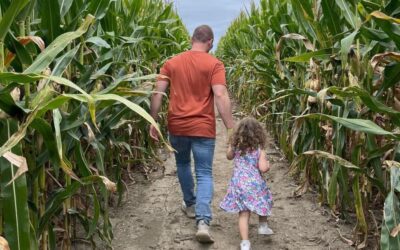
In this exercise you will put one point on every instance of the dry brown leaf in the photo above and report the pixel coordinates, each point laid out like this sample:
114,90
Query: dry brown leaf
18,161
111,186
376,59
4,244
16,94
350,242
9,58
395,231
24,40
383,16
302,189
91,136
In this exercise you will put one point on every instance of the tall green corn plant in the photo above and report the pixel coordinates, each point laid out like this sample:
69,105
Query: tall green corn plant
325,72
390,238
95,71
13,195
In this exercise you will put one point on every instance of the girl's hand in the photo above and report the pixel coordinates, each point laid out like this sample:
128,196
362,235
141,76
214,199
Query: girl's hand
263,163
230,152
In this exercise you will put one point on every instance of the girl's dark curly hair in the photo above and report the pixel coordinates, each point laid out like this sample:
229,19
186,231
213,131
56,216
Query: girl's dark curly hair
248,135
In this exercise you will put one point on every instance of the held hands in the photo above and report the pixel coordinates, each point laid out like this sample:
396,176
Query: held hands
229,152
229,132
268,167
263,163
153,133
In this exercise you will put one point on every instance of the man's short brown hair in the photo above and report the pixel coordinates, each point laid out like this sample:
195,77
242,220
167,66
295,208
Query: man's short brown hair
203,33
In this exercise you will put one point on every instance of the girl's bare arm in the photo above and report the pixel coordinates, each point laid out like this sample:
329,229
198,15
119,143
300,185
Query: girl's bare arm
263,163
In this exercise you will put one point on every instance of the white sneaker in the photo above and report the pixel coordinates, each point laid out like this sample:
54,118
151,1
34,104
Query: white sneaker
264,229
203,234
245,245
189,211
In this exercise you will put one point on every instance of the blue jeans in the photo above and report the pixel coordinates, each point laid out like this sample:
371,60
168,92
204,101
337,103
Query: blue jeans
203,154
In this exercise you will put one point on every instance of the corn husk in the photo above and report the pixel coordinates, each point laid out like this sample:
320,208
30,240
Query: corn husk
311,99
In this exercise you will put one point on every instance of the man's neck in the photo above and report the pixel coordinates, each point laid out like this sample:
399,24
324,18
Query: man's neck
199,47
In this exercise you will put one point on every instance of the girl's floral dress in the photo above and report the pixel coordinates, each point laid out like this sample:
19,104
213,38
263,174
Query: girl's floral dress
247,189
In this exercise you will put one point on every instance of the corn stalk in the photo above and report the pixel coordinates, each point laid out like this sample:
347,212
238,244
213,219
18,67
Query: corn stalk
84,75
326,74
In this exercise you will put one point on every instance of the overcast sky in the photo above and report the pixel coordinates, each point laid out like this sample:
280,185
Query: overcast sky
216,13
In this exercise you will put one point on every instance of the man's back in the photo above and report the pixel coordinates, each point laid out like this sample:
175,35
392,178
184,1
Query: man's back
191,108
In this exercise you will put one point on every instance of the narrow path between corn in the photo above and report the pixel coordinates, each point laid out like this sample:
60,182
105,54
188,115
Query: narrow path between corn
151,218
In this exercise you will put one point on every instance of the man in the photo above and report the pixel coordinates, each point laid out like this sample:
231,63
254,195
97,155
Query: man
196,79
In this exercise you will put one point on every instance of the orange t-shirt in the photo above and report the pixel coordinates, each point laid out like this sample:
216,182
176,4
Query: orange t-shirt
191,101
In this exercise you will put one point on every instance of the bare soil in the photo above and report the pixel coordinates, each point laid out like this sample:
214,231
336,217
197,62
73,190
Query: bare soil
151,218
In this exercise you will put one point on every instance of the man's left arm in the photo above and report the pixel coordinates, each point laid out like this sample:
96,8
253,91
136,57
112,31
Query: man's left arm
223,104
221,96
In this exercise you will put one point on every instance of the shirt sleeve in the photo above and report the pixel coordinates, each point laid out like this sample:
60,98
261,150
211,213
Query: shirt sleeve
218,76
165,73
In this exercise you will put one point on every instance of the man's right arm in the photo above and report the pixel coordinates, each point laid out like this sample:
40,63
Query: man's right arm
156,102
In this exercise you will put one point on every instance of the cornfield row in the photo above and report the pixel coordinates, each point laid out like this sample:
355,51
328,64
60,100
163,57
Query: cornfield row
74,88
325,76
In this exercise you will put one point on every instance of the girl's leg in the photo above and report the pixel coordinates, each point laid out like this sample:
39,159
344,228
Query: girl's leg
263,226
262,219
244,217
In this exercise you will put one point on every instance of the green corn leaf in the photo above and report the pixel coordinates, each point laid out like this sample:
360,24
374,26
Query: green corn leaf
335,158
30,77
134,107
63,62
43,128
346,45
127,78
332,186
98,41
391,76
81,162
65,165
99,8
8,18
391,213
59,44
361,125
347,12
330,15
50,18
14,195
389,25
60,196
320,54
359,205
368,100
65,5
17,136
96,215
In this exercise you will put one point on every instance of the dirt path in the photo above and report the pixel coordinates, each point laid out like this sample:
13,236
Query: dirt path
151,217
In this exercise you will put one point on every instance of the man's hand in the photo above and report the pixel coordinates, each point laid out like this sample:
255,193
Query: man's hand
229,133
153,133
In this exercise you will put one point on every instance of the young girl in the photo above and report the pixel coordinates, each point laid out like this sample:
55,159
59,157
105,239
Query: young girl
248,191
